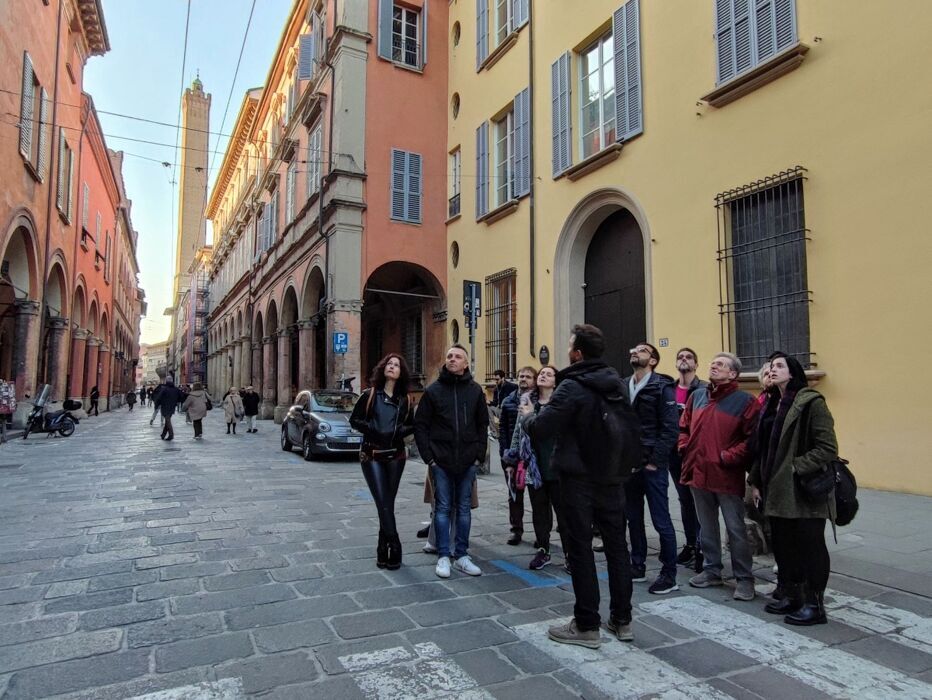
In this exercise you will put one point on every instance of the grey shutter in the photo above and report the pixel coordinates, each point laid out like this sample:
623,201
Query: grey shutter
628,108
385,29
764,29
522,139
260,231
398,183
69,184
43,132
785,24
86,197
519,13
424,28
482,31
306,56
276,199
26,108
413,202
60,194
561,124
733,37
482,170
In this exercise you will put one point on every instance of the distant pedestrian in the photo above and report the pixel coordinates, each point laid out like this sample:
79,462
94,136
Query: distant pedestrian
156,393
169,398
451,430
232,409
503,388
142,396
795,437
95,400
130,399
592,455
714,432
652,397
149,391
195,407
506,429
384,416
251,403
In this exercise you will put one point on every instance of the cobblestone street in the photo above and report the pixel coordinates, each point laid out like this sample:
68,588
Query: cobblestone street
227,568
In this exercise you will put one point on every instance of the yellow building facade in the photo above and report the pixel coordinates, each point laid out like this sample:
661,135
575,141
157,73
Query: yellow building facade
713,174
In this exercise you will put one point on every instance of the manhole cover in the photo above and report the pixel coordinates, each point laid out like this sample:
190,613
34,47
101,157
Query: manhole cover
10,466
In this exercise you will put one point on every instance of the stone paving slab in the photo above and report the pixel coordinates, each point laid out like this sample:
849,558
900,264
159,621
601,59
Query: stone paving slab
226,569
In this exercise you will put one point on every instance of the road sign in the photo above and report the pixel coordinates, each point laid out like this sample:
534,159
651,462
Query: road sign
340,342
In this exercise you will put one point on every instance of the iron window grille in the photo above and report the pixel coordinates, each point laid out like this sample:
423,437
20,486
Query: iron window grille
501,342
412,345
763,287
405,47
454,206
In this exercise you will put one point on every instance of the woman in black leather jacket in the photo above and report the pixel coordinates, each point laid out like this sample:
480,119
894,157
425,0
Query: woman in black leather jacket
383,414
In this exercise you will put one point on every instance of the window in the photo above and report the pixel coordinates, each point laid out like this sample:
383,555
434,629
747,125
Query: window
597,96
455,173
406,186
502,20
290,190
508,16
314,158
311,48
86,195
107,262
405,24
504,157
33,120
482,170
97,238
762,261
748,32
412,342
501,344
65,196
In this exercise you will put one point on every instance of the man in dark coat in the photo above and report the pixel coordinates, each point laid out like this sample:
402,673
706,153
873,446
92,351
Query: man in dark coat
592,488
169,398
251,401
503,388
451,430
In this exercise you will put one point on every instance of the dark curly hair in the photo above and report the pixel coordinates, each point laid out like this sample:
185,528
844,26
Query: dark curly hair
377,378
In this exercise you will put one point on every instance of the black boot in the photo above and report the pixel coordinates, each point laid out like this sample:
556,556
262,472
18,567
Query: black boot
381,551
790,601
228,428
811,613
394,552
234,428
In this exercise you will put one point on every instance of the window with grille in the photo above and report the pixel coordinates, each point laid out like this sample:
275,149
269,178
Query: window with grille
762,265
455,172
412,342
501,344
405,23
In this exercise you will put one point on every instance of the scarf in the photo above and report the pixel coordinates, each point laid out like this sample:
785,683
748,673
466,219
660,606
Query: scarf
769,454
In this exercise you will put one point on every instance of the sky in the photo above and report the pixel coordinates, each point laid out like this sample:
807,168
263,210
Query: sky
141,77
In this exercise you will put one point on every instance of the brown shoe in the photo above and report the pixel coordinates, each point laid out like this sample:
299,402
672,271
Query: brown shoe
571,634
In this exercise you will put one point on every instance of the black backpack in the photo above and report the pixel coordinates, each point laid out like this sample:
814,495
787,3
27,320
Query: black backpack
615,439
846,492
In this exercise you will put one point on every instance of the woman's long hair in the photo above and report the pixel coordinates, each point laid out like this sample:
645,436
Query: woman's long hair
797,373
377,379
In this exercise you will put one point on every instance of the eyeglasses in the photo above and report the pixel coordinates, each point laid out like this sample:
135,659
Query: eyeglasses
640,351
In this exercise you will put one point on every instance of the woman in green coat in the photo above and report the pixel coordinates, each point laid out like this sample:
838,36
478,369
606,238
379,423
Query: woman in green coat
795,436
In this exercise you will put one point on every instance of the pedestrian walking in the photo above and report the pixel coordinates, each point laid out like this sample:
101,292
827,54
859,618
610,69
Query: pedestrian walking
142,396
195,406
130,399
156,393
795,437
251,403
691,555
714,432
169,398
595,446
451,430
652,397
149,391
543,483
232,409
384,416
506,429
95,400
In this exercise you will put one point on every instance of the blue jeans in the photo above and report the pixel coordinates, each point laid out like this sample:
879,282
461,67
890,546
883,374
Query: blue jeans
452,493
653,485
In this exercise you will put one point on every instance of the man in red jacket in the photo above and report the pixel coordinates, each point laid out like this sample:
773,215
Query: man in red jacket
714,432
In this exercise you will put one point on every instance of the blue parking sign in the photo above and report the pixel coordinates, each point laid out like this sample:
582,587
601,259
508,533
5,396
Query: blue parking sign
340,343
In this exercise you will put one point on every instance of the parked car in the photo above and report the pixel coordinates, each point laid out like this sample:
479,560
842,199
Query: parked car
318,423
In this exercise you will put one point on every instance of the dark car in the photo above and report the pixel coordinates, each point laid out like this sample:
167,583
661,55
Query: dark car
318,423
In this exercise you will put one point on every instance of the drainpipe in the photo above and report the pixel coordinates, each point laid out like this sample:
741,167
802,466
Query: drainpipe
532,243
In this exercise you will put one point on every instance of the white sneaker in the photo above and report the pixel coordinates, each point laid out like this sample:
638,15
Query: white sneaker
443,567
464,564
429,549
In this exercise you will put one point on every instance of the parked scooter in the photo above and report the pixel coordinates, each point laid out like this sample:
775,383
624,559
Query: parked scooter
61,422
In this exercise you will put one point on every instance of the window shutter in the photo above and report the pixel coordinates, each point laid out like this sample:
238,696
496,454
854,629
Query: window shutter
628,109
306,56
482,170
318,31
785,21
424,28
482,31
60,194
733,37
385,29
519,13
273,229
522,181
764,26
69,184
97,233
399,181
84,207
562,129
43,133
289,193
413,214
26,115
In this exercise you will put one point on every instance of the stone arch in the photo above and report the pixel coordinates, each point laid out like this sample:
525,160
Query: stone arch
271,318
21,258
92,315
569,266
79,305
313,290
238,325
257,328
56,296
104,331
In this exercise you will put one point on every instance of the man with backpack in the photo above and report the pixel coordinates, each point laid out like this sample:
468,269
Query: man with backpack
597,445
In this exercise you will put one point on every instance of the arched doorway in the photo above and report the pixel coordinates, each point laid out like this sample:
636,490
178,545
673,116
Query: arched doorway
614,292
316,369
291,379
18,309
602,273
270,362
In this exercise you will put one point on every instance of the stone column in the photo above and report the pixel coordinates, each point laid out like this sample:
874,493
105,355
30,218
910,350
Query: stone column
269,380
256,349
78,352
104,360
26,346
306,354
284,375
245,363
91,374
57,357
237,364
345,316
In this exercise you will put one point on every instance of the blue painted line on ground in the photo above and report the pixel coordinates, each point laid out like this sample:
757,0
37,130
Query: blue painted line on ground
534,579
362,495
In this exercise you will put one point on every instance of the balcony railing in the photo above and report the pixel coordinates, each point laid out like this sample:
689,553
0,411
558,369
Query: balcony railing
406,51
453,207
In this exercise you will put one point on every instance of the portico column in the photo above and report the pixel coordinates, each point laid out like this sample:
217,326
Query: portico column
104,361
91,373
78,350
306,354
245,363
256,381
237,364
268,377
26,347
58,362
284,374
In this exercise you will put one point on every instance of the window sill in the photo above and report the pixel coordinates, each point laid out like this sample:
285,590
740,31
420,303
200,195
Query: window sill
499,212
31,169
453,218
781,64
64,217
499,51
593,162
404,66
84,246
404,221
